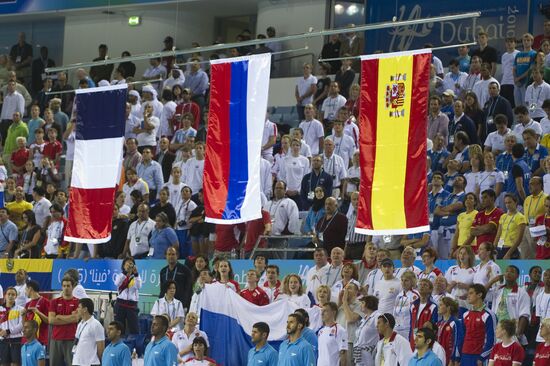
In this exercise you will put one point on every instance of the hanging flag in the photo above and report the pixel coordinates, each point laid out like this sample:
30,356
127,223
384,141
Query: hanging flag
228,323
238,103
393,197
100,119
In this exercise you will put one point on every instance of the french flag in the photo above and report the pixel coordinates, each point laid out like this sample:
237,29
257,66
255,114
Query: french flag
228,323
238,102
100,119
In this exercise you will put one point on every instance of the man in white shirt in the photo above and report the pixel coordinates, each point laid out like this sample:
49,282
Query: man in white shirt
194,168
542,302
266,178
333,339
316,276
454,78
306,87
21,279
89,340
495,140
524,122
41,206
536,94
507,61
13,102
137,241
334,166
481,88
344,146
332,104
314,133
334,271
268,140
387,289
283,211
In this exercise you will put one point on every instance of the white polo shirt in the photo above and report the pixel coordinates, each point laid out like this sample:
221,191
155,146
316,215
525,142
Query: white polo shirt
41,210
181,340
335,167
313,131
386,291
332,340
172,308
88,333
192,174
304,84
344,147
138,234
149,138
495,140
293,169
331,106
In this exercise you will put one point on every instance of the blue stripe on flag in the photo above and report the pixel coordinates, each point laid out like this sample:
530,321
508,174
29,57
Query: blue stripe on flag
229,342
238,165
101,114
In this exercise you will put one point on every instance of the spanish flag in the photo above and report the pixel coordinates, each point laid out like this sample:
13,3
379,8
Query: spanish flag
393,197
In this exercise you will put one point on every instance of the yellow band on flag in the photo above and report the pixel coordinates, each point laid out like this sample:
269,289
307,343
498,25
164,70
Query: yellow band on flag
392,133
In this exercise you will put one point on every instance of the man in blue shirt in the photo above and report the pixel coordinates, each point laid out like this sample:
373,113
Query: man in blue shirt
308,334
32,352
424,356
116,353
262,354
151,172
8,233
161,351
295,351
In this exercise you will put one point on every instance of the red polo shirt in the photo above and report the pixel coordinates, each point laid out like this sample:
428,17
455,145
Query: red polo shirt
43,305
256,296
60,306
483,218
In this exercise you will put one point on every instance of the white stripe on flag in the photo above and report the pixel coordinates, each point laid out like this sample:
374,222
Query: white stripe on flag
259,67
96,163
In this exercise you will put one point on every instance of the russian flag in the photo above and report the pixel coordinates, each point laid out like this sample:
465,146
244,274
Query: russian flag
228,323
100,120
238,103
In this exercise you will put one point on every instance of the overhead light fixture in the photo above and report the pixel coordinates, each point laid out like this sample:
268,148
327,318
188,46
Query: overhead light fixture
339,9
134,21
352,10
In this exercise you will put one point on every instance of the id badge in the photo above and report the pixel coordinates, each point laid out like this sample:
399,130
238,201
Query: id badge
151,252
531,222
137,240
73,350
431,218
386,238
310,195
505,175
320,236
501,243
451,139
490,120
18,59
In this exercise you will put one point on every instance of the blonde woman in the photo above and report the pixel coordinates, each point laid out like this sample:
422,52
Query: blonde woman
461,276
294,291
322,295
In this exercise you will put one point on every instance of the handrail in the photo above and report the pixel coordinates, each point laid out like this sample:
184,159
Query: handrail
281,249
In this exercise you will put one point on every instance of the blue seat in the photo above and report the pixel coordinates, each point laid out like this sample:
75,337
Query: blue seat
145,321
137,341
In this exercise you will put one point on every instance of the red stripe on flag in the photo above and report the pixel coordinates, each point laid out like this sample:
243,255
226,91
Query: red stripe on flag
368,111
216,165
416,195
90,212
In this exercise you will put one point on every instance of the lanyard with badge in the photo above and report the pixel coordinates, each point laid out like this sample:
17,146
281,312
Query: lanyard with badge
528,211
137,234
502,240
534,102
321,232
77,338
335,278
491,110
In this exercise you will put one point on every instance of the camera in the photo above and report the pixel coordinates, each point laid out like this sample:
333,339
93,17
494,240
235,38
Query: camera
182,223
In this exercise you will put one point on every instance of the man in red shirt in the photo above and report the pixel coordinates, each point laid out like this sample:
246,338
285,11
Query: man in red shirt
254,229
252,292
485,225
53,147
64,318
226,239
187,106
543,241
272,285
37,309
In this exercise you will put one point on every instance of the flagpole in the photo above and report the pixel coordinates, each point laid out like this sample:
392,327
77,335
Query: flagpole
255,42
433,49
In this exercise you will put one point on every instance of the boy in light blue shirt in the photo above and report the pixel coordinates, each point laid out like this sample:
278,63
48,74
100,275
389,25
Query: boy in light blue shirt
32,352
262,354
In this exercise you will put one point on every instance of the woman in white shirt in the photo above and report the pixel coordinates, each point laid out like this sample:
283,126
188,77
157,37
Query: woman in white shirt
184,338
403,302
200,350
170,306
366,335
461,276
183,213
491,177
487,272
472,177
126,307
293,291
349,274
279,157
292,170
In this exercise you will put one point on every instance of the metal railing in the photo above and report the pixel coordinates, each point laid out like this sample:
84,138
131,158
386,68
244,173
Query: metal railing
285,249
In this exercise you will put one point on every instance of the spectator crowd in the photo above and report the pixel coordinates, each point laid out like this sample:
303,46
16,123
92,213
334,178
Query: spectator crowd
488,177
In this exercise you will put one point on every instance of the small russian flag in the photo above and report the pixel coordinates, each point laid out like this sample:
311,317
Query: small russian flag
238,103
